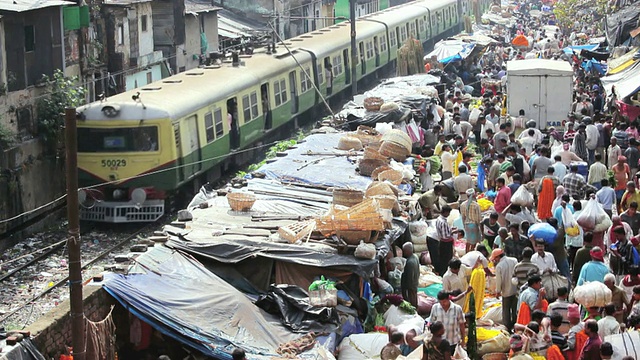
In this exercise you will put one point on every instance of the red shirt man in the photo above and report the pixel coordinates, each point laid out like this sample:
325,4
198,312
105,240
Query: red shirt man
591,349
503,199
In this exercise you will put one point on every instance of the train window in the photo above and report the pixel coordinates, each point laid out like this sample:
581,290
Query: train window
280,92
94,140
412,29
421,25
250,106
305,81
403,34
209,127
370,52
392,39
337,65
217,116
383,43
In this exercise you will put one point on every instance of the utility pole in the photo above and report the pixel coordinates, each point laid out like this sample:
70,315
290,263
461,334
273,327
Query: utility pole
275,28
73,242
354,53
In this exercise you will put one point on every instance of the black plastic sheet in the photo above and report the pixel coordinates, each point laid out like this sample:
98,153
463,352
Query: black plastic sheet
291,303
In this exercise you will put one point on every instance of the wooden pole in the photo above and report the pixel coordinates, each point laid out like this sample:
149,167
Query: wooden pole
73,242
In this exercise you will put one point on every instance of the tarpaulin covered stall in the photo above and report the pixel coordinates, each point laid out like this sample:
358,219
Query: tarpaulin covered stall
620,24
176,295
447,51
294,167
626,82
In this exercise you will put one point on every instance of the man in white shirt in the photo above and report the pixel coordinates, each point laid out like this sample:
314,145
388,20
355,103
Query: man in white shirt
505,287
544,259
493,116
608,325
613,152
455,279
559,168
592,138
477,257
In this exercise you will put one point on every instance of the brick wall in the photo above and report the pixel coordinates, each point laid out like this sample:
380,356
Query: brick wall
52,332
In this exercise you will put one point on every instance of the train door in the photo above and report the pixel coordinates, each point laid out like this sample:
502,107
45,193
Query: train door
347,67
178,139
417,29
266,106
376,50
232,118
190,146
294,92
328,74
398,38
363,62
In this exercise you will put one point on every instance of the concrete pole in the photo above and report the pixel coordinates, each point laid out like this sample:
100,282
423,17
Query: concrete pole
354,50
73,242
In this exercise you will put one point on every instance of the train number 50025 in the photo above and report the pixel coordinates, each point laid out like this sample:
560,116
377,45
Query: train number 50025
114,163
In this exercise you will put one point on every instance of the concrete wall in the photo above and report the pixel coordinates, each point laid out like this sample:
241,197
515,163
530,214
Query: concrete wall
140,78
145,38
194,25
52,332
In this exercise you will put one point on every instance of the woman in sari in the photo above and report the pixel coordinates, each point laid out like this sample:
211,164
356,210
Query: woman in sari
546,196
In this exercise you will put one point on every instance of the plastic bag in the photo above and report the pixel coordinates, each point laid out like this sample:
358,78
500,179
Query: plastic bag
496,344
593,217
395,278
543,231
474,115
570,225
365,251
522,197
551,283
592,294
418,230
460,353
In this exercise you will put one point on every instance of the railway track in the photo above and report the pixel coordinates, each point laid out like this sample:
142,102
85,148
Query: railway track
27,292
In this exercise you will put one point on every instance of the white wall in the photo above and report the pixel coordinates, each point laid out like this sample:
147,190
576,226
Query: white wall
145,38
139,79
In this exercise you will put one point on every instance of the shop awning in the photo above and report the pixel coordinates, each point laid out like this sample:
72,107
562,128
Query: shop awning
447,51
626,82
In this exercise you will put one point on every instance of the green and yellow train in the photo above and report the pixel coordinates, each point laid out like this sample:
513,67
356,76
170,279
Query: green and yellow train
144,145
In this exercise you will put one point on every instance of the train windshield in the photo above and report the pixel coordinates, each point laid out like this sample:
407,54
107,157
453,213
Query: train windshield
138,139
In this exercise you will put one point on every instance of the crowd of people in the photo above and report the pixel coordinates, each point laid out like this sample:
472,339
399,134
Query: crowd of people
486,154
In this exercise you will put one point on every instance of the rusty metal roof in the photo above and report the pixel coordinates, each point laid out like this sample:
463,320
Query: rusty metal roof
28,5
195,7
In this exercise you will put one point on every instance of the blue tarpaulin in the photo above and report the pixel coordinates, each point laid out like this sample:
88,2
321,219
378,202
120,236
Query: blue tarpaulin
179,297
447,51
316,162
588,65
577,48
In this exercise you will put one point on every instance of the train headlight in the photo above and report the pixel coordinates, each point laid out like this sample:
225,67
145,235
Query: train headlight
111,110
119,194
138,196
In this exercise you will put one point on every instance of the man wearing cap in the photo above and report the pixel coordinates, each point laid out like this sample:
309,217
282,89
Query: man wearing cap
471,219
504,287
573,314
594,270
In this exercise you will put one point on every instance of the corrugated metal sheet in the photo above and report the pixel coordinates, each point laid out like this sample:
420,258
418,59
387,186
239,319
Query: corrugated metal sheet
28,5
163,22
194,7
125,2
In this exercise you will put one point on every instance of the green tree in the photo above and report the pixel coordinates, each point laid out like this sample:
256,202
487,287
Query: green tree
63,92
592,11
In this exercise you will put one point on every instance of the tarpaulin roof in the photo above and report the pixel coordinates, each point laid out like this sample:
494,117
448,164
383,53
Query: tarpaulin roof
234,251
619,64
295,167
451,50
28,5
176,295
626,82
621,23
578,48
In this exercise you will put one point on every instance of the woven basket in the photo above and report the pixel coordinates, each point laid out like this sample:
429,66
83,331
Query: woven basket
349,143
371,153
379,188
394,151
393,176
385,201
378,170
296,231
241,201
495,356
354,237
398,137
373,103
367,166
347,197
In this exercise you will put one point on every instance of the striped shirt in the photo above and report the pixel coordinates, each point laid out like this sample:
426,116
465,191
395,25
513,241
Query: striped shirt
561,307
522,270
443,230
451,319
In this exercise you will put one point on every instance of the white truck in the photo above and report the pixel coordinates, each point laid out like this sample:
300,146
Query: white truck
542,88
